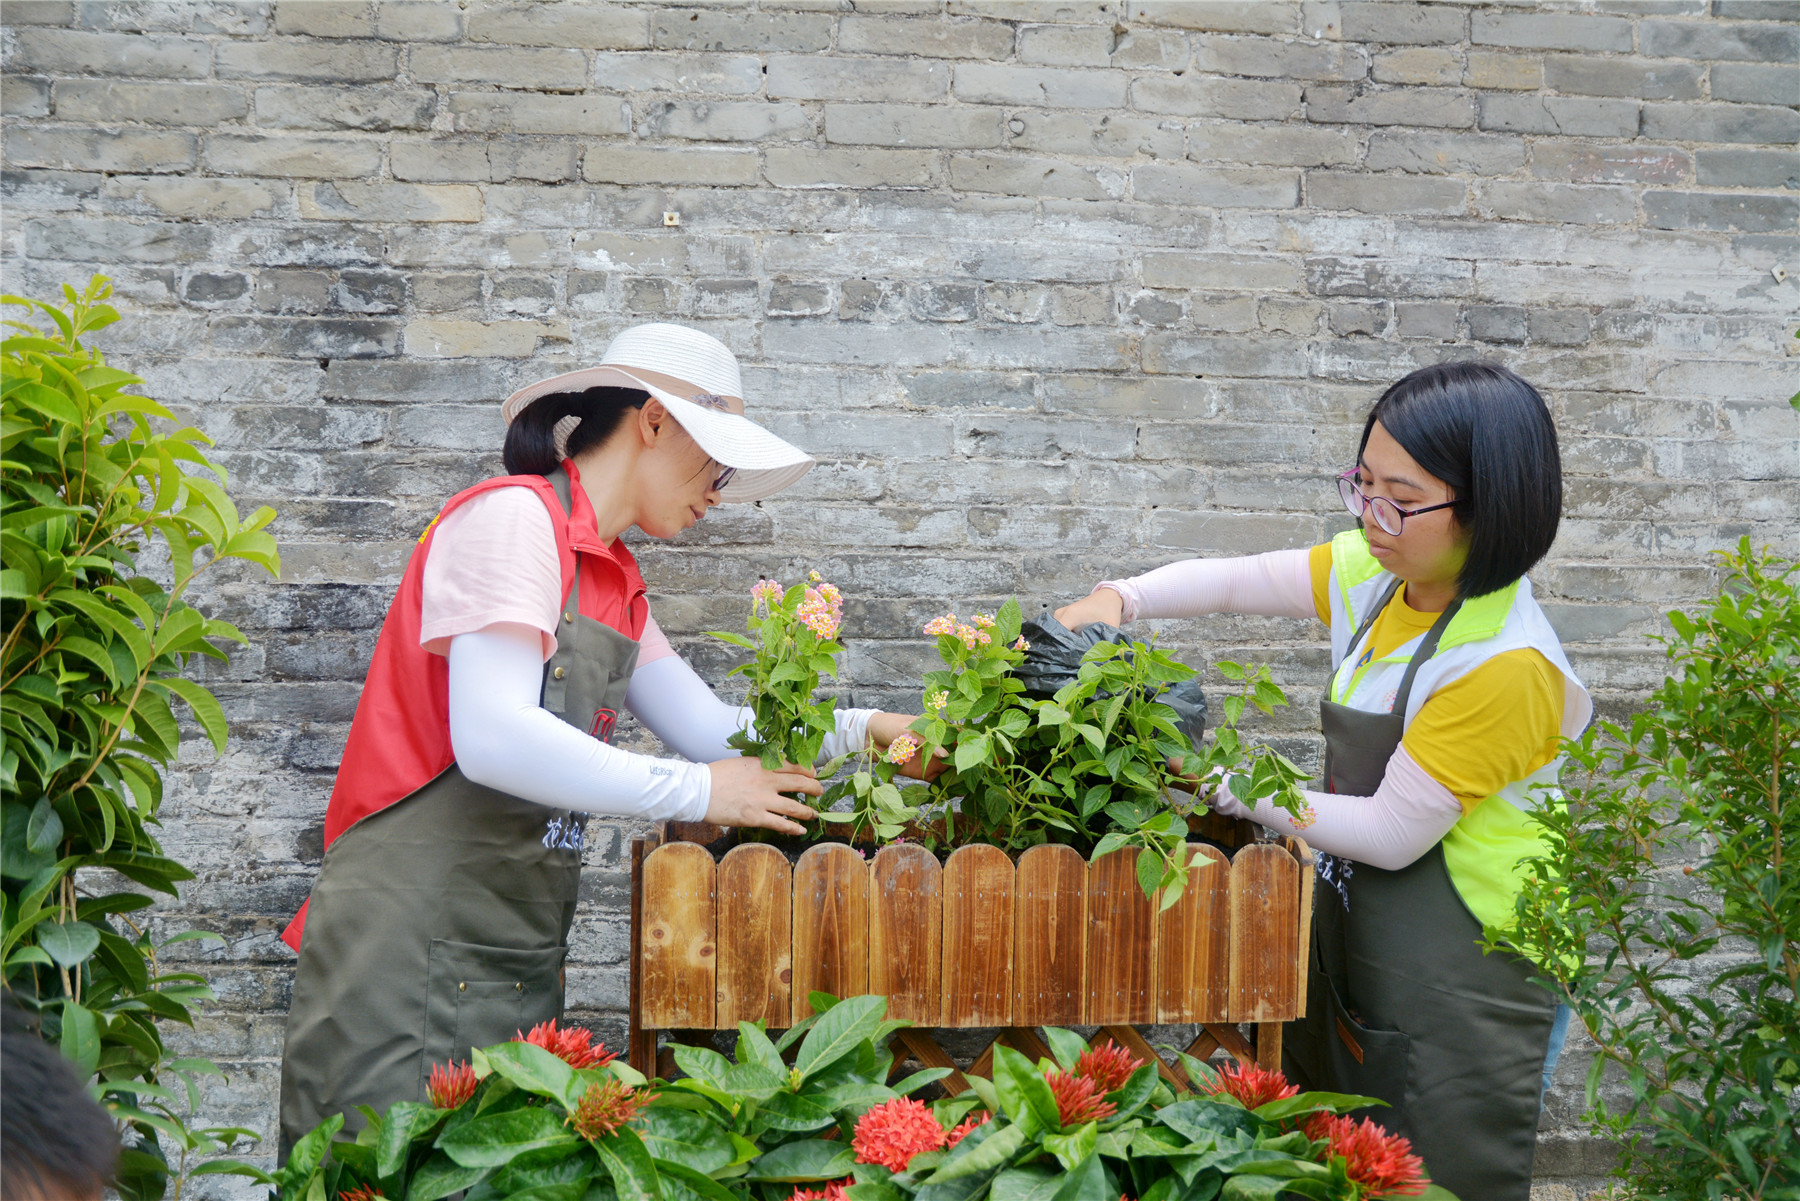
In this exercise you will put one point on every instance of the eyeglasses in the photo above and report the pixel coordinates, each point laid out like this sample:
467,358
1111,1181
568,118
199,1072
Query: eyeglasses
722,479
1387,515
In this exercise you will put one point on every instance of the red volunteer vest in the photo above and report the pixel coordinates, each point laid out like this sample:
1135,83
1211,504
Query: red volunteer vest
400,737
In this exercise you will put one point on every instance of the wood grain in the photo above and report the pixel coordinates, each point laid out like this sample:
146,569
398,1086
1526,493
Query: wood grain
756,941
640,1040
931,1055
906,920
1303,855
1121,944
1051,940
1265,929
678,956
1193,943
831,924
978,937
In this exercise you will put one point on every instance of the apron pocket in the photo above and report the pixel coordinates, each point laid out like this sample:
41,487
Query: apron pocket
1358,1059
478,996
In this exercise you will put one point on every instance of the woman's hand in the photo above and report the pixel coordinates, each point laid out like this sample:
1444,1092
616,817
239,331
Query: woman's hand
745,793
1103,605
885,727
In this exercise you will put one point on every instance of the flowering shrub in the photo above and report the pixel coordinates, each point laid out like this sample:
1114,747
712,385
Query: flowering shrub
810,1117
793,633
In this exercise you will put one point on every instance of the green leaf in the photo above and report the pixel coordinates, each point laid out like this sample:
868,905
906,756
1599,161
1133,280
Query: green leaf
206,709
989,1154
1031,1183
1024,1093
494,1139
440,1176
804,1160
68,943
533,1069
45,829
80,1037
837,1033
686,1137
700,1183
971,752
630,1166
406,1123
1086,1182
1065,1045
1075,1147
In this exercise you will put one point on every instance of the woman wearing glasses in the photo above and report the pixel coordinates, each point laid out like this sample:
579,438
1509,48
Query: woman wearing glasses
453,838
1443,714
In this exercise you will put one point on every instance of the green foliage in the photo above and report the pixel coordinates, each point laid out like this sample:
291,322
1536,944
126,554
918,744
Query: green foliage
784,1116
793,635
92,658
1691,989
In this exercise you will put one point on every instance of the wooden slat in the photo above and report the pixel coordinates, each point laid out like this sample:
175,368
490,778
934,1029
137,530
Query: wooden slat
1121,944
1051,940
931,1055
1204,1045
831,924
679,948
978,937
1232,1040
640,1040
1131,1040
1193,943
756,942
906,918
1265,928
1308,874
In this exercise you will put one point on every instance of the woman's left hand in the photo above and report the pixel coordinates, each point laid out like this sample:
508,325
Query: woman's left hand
884,728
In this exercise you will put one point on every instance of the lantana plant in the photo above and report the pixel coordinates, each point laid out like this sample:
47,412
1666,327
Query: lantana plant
793,633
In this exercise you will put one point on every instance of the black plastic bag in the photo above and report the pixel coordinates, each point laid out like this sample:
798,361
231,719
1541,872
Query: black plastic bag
1054,659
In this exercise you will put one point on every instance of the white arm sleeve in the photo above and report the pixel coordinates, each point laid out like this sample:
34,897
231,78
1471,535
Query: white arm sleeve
1408,815
1277,584
680,709
504,739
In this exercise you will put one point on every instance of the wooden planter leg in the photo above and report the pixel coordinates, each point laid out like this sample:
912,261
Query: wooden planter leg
1268,1045
1131,1040
640,1044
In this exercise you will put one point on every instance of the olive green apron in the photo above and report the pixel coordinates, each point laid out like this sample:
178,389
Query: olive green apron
439,923
1401,1002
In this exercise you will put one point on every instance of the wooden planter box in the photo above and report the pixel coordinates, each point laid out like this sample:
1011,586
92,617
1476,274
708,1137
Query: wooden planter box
976,941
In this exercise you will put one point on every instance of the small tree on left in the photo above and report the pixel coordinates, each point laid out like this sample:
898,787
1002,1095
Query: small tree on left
107,518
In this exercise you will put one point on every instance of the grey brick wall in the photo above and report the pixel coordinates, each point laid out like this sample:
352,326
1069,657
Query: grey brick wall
1053,289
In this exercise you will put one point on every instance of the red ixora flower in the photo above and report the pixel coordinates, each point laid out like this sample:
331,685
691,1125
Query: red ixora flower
362,1192
605,1107
1382,1163
833,1191
891,1133
451,1084
962,1128
1252,1084
1108,1065
1078,1099
572,1045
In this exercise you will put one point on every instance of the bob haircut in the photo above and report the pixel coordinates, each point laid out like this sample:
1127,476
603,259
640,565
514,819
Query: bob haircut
531,439
1488,435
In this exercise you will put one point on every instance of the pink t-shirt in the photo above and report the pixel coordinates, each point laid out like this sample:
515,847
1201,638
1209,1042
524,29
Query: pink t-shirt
494,560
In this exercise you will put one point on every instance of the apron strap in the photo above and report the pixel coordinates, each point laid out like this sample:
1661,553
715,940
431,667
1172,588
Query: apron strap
1427,646
1369,618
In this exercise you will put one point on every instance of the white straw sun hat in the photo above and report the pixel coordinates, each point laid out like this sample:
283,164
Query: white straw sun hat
711,410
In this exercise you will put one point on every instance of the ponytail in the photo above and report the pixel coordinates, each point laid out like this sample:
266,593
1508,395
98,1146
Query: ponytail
597,413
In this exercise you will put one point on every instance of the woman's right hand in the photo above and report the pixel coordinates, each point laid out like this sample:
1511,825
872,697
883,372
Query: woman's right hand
1103,605
745,793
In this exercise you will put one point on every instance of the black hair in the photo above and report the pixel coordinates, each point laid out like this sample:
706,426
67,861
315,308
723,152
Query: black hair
54,1140
1488,435
531,438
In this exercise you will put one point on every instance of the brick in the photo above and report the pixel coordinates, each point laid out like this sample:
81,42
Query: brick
1426,319
663,71
1233,99
1439,108
1066,45
862,167
1757,10
1222,16
1031,175
1050,87
1185,183
948,127
603,163
1359,317
1748,168
813,77
1330,190
1514,72
1558,327
318,62
790,299
595,26
1549,31
1756,83
1271,58
517,112
307,158
730,29
1427,66
1722,123
210,287
418,21
1561,115
438,339
1444,153
1279,146
64,149
932,39
481,160
1734,211
79,52
1403,24
1712,40
343,200
307,337
1298,317
727,121
196,197
533,68
1188,354
1151,49
49,191
1230,271
40,12
1496,323
1502,200
1581,163
1331,276
326,18
366,108
1645,78
24,96
106,102
289,292
1114,135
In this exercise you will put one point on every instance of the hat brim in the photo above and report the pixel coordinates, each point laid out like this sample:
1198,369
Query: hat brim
765,463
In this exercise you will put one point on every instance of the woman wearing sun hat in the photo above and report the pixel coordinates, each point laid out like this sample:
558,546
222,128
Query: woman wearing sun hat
480,745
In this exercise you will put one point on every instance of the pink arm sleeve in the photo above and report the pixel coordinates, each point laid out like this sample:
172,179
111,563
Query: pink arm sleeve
653,645
1409,813
1276,584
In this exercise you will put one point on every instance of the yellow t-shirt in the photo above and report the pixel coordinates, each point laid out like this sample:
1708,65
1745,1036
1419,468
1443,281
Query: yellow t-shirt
1482,731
